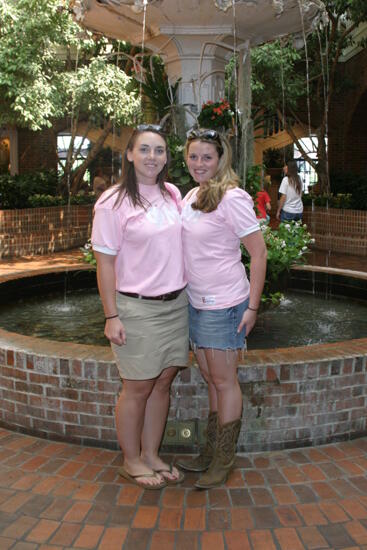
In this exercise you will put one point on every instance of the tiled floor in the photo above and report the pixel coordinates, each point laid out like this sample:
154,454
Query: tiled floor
57,495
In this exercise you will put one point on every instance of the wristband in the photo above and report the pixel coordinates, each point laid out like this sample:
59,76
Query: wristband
111,317
252,308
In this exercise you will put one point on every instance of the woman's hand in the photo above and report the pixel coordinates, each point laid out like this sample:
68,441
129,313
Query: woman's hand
248,320
114,330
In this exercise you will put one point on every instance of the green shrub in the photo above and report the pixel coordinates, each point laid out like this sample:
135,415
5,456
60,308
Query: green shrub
286,246
16,191
341,200
353,185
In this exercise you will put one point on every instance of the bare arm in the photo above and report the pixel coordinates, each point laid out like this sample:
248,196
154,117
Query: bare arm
255,245
280,204
106,278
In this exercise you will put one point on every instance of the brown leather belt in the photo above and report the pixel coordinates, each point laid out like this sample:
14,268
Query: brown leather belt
163,297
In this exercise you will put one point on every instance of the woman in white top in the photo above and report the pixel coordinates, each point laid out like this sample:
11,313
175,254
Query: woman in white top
290,206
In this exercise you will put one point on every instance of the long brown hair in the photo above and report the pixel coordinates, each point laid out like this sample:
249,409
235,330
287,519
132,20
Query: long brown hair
127,186
293,177
209,196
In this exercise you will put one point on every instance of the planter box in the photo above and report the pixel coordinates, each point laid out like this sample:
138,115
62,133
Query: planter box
43,230
338,230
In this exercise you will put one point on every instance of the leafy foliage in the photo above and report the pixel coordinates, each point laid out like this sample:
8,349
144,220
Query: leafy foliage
216,114
16,191
51,69
286,246
279,75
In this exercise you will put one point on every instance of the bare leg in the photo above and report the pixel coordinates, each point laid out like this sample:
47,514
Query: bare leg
155,418
222,367
204,369
130,411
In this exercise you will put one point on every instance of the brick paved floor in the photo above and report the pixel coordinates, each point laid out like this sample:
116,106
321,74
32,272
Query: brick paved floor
57,495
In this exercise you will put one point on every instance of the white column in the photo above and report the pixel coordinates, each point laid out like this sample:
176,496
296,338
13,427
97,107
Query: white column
183,59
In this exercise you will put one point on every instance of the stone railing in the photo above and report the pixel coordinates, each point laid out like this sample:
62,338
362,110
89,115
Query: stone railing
338,230
43,230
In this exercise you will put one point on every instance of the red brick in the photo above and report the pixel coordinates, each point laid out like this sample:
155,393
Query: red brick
324,490
19,527
113,538
160,540
294,474
87,492
354,508
284,494
350,467
333,512
43,530
312,538
357,531
288,539
89,536
313,472
77,512
241,519
70,469
252,477
146,517
170,519
194,519
129,495
261,540
66,534
236,540
212,540
311,514
46,485
6,543
288,516
15,502
173,497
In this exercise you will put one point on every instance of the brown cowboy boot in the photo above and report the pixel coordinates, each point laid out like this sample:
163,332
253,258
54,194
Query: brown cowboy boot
224,456
201,462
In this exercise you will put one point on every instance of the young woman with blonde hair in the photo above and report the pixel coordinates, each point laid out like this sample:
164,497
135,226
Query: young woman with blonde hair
217,217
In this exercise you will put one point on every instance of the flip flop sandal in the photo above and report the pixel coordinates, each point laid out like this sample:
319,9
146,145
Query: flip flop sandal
132,478
176,480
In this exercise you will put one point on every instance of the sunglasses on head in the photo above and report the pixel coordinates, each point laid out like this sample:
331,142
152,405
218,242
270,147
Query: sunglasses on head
149,127
205,134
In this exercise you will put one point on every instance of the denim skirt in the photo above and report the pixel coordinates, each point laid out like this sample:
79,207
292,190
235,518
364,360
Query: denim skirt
217,328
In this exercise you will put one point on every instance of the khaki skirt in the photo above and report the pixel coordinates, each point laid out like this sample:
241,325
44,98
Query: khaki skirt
156,336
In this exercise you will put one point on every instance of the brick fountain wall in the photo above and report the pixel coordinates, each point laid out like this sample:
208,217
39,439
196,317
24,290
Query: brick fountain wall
292,397
42,230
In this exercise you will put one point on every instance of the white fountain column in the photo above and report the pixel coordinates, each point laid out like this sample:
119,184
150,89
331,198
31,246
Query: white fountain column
185,59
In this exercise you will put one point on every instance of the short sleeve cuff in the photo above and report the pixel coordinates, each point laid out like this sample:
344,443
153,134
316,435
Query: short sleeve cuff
104,250
249,230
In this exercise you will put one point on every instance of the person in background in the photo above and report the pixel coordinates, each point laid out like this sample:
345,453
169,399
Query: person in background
290,206
137,243
263,204
99,183
217,217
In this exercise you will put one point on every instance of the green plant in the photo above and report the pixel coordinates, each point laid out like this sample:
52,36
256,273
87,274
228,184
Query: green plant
178,172
286,246
216,115
88,255
17,191
340,200
254,179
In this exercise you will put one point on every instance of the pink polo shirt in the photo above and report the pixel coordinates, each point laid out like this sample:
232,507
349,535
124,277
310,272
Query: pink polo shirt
147,243
215,274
